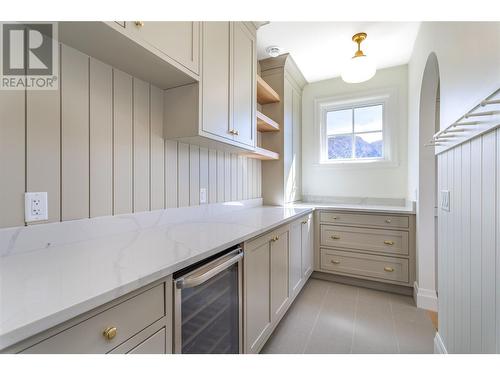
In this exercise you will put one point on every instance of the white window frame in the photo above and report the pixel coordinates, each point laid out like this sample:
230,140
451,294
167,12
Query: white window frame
386,97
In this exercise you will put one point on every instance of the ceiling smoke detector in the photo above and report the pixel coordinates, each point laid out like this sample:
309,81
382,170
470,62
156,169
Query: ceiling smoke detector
273,51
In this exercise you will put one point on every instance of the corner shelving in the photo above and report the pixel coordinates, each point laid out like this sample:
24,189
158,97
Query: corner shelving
263,154
265,93
266,124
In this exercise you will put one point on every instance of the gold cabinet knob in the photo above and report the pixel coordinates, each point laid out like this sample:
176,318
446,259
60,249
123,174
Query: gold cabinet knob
139,23
390,243
333,261
388,221
275,238
110,333
334,218
335,237
388,269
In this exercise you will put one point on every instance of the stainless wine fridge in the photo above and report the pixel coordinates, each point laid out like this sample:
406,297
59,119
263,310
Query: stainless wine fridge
207,305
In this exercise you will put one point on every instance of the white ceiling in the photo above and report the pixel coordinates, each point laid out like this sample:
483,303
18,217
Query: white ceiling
321,48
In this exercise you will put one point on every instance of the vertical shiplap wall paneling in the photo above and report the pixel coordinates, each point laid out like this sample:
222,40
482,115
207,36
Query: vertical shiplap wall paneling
227,176
141,146
194,175
240,177
204,172
250,177
212,176
221,163
43,147
497,283
476,246
171,164
74,134
183,173
101,138
122,143
468,250
457,253
488,234
244,167
464,272
12,157
234,177
157,146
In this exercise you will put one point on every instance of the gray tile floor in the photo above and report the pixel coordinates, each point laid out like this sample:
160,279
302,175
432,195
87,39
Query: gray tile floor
328,317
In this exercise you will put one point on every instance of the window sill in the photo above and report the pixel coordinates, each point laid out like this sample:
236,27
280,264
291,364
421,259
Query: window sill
357,164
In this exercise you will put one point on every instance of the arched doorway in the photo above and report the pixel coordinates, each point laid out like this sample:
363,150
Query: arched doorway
427,187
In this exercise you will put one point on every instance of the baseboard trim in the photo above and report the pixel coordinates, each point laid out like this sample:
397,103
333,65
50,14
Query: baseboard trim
439,347
399,289
425,298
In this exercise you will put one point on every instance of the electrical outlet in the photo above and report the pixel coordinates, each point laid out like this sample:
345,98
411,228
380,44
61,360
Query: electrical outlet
203,195
445,200
35,207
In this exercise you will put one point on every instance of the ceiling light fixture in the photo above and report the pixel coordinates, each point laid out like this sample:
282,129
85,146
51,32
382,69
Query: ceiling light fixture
359,68
273,51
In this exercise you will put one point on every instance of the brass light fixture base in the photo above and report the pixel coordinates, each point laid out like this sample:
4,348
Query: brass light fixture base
358,38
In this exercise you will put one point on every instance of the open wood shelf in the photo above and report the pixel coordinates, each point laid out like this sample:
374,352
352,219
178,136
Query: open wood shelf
263,154
265,93
266,124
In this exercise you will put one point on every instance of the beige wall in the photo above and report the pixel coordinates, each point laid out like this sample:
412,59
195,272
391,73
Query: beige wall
363,181
96,146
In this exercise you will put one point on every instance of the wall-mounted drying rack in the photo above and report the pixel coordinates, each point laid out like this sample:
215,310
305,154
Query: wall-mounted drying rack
482,118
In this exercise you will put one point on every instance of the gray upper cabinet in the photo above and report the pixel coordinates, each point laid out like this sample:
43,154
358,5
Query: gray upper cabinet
221,108
215,87
178,40
243,84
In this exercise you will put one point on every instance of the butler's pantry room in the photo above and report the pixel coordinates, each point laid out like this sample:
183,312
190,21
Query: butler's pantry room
296,187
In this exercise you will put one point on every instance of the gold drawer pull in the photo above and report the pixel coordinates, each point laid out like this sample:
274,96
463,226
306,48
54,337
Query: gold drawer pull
388,221
234,132
110,333
139,23
335,261
389,243
304,222
275,238
334,218
388,269
335,237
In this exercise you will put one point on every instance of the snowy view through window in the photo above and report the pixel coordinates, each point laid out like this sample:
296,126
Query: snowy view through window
355,133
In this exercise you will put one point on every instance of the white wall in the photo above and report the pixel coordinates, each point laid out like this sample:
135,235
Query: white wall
468,57
373,181
469,70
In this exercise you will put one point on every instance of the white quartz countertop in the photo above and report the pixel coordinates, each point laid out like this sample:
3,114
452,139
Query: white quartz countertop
50,273
408,208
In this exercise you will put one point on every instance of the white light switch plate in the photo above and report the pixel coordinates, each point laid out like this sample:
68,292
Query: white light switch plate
35,206
203,195
445,200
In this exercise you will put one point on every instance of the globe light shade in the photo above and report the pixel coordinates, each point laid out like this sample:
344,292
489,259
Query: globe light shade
358,69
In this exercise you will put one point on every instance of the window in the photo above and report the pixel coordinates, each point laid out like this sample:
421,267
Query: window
355,133
357,130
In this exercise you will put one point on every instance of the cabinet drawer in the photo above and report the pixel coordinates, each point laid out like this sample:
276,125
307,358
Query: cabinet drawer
153,345
128,317
374,266
365,219
374,240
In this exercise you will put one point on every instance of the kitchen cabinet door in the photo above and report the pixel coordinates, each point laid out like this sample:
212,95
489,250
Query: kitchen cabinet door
307,247
257,294
215,79
243,80
280,290
296,229
179,40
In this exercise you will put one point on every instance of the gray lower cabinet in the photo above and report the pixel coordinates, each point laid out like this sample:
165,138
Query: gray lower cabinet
139,322
276,266
369,246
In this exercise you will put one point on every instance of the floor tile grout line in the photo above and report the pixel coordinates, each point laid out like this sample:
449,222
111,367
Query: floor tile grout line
354,319
315,320
394,326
